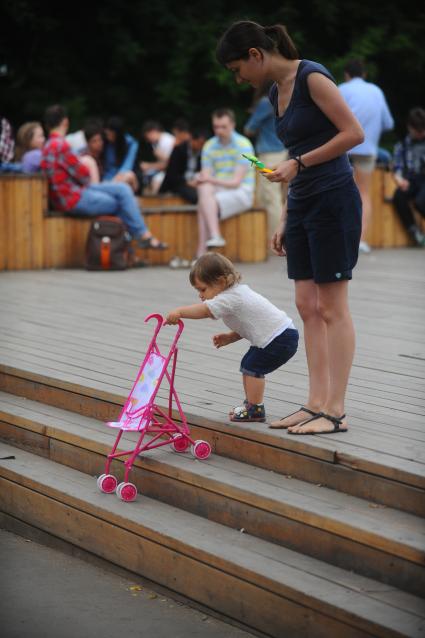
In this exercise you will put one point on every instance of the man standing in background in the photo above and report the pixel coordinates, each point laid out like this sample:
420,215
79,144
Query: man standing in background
370,107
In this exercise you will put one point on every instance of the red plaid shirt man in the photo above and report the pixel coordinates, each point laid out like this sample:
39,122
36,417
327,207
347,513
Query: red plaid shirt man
66,174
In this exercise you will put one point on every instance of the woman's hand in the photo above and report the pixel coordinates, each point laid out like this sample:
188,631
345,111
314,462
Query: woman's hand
277,243
284,172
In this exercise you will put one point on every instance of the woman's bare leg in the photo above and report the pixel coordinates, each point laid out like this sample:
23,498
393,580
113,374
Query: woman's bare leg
316,347
334,310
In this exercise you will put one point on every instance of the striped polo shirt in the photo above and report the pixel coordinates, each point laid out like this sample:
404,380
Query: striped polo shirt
223,159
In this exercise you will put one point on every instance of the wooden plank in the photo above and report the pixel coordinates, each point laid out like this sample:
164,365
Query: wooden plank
373,541
37,214
62,501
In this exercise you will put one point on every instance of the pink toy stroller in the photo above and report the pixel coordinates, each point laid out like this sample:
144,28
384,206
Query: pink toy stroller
141,414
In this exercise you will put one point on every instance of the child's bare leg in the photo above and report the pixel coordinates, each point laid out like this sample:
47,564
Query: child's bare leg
254,388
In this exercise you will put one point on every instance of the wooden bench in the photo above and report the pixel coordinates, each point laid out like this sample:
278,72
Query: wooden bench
32,238
35,237
385,229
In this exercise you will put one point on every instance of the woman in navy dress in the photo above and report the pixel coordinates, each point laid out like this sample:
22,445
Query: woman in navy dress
321,223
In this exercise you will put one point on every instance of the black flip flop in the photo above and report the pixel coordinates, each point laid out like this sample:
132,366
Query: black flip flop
300,409
335,420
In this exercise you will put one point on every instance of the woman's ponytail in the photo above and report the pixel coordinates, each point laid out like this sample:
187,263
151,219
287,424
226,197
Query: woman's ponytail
245,35
281,39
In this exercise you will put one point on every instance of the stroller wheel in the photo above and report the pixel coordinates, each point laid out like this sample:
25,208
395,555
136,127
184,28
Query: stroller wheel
201,450
127,492
180,443
107,483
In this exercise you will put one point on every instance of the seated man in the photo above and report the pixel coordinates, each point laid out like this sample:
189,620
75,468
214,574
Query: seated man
71,192
183,166
409,174
226,182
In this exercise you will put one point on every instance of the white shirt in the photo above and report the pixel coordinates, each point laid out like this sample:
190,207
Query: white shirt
165,145
249,314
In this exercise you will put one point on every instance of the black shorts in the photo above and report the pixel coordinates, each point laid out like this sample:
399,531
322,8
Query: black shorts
258,362
322,235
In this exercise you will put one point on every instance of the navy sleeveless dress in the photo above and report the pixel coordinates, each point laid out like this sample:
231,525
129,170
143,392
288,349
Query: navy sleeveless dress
323,227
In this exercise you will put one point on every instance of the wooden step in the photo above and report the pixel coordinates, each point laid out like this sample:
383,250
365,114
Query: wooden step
378,542
334,462
265,586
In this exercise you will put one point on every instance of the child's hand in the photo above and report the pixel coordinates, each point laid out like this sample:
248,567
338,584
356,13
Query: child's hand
222,339
173,317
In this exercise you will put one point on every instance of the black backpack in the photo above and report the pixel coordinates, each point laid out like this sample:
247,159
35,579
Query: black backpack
107,246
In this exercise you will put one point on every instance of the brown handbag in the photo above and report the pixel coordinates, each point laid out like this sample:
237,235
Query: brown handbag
107,246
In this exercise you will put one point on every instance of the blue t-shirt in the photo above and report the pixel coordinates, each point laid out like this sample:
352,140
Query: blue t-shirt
370,107
110,166
261,122
304,127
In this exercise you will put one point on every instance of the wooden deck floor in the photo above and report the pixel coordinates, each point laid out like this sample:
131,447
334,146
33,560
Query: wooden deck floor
88,329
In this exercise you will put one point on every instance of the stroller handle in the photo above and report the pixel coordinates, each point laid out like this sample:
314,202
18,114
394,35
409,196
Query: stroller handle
160,322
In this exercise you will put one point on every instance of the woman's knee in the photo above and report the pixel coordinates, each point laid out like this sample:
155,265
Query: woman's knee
332,310
306,306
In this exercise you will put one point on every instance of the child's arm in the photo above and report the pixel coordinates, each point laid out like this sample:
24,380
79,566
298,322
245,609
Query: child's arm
225,338
196,311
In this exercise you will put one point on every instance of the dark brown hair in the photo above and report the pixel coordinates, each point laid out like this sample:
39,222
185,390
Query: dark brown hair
54,116
244,35
211,267
224,112
416,118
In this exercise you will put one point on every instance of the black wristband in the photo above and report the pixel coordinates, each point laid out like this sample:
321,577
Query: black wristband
300,163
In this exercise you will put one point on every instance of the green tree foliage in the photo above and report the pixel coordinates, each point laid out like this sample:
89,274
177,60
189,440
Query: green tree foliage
156,59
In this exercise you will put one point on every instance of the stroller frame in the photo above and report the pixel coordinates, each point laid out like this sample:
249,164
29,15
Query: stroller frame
141,414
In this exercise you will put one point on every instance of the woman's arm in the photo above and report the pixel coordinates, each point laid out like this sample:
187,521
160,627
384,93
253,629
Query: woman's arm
330,101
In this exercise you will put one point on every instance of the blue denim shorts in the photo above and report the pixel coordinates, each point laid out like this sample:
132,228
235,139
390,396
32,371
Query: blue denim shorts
322,235
258,362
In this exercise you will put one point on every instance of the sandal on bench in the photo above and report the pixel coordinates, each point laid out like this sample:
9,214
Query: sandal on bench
275,425
337,422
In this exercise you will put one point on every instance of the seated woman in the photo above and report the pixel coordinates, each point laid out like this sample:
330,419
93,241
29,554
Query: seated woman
91,155
119,154
30,140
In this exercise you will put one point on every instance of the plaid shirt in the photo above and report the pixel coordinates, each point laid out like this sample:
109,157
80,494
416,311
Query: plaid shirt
66,174
7,143
409,157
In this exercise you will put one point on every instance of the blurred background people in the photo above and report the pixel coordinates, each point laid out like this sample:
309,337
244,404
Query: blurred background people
370,107
184,166
409,175
162,144
270,150
119,154
30,140
92,154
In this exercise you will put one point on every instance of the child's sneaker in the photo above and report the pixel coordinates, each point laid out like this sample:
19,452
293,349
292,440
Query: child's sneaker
249,412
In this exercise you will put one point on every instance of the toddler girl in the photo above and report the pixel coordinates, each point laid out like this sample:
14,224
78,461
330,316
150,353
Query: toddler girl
249,315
